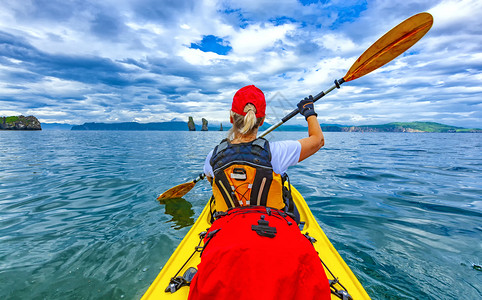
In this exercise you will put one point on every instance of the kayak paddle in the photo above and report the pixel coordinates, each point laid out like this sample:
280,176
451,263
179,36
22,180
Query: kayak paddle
384,50
180,190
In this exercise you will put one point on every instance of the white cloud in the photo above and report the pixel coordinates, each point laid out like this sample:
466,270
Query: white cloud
198,57
456,12
338,43
4,113
275,61
257,37
327,70
45,112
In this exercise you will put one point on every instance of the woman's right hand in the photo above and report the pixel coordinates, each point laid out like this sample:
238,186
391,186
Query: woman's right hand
306,107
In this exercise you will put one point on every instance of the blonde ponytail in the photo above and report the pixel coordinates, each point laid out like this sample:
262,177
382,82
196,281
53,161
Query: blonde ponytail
249,119
244,125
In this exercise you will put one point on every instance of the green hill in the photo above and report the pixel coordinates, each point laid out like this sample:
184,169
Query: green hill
19,123
410,127
427,126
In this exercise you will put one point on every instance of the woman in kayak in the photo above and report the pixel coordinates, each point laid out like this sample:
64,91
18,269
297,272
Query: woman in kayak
254,249
249,171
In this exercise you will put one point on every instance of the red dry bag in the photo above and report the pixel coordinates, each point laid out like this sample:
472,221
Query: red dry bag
258,253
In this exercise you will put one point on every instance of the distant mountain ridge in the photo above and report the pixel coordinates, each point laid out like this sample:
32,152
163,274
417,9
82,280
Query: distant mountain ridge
154,126
182,126
172,126
56,126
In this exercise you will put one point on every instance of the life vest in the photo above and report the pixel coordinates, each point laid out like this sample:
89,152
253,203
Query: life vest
243,175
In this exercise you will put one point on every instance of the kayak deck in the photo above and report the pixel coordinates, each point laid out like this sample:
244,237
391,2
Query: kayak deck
323,246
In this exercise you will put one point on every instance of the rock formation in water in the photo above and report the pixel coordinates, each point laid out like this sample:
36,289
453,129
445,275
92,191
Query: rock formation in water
20,123
205,125
190,124
221,127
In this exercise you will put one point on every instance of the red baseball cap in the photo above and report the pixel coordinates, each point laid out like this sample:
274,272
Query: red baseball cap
249,94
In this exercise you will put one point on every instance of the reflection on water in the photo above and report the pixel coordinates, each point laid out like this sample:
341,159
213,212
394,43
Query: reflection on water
181,211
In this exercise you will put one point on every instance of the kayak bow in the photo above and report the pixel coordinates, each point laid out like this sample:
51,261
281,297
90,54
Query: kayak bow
185,256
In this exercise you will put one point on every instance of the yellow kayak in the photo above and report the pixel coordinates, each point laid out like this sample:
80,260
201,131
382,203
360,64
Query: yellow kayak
344,284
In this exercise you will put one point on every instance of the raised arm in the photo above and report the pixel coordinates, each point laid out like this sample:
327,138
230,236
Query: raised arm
315,139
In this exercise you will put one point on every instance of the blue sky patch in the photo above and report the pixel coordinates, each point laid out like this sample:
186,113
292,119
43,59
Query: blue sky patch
211,43
282,20
308,2
349,14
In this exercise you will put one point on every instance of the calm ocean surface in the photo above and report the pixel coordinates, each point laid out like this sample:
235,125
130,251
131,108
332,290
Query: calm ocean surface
79,219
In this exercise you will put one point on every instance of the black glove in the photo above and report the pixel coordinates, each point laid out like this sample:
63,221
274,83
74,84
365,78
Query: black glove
306,107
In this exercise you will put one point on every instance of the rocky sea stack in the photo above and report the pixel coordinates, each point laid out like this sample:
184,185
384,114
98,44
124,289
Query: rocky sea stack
205,125
20,123
190,124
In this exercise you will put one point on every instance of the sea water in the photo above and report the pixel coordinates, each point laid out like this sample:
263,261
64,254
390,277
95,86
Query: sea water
79,217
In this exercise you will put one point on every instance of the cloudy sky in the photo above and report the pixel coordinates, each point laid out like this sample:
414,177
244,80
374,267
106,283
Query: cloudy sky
76,61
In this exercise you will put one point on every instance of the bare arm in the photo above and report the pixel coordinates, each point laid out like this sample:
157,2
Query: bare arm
315,139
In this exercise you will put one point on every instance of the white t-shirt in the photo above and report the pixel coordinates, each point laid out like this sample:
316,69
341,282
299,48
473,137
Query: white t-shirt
284,154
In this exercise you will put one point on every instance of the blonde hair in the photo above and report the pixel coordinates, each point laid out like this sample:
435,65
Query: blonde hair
244,125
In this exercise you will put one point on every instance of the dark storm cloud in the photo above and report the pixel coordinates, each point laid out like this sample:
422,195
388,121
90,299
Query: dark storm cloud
108,26
59,10
86,69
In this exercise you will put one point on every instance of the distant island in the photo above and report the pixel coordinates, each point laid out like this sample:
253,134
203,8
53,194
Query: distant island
19,123
185,126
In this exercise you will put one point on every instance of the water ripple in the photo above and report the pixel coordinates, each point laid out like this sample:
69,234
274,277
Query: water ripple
79,218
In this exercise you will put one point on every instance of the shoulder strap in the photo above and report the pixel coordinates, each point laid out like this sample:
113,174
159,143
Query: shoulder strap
218,149
259,145
221,147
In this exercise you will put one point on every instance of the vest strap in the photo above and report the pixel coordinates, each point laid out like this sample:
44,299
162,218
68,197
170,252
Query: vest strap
221,147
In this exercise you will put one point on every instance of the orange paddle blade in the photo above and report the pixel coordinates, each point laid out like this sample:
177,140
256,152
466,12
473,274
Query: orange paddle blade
391,45
177,192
